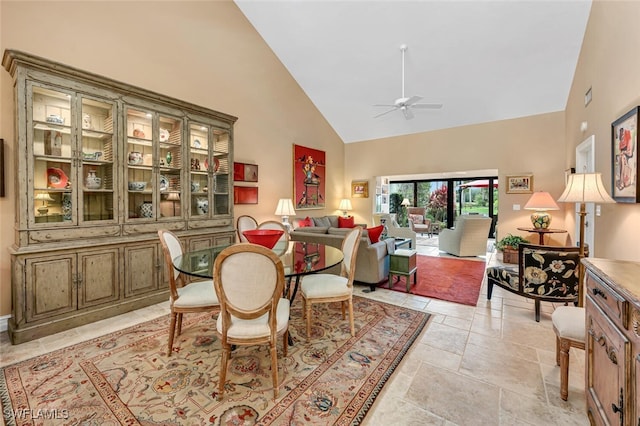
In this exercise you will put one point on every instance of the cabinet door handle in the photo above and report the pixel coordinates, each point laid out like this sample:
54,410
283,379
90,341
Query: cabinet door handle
597,292
599,340
618,408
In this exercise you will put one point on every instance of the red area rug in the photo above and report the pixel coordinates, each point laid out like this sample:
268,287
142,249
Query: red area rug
445,278
125,377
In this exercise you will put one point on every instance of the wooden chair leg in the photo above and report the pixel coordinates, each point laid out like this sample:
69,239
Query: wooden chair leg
179,324
557,350
172,333
274,368
537,310
351,320
565,345
308,313
285,343
342,307
226,352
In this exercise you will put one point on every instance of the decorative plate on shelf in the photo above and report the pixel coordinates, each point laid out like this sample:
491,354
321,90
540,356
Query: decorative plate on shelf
56,178
164,183
164,135
197,144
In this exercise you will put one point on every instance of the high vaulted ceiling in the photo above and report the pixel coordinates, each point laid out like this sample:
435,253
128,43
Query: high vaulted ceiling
484,60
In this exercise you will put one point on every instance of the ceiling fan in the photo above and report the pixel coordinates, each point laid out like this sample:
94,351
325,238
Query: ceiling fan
403,103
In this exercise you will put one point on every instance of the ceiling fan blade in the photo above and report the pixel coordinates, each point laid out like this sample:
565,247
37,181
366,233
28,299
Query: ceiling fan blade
412,100
407,113
427,106
385,105
383,113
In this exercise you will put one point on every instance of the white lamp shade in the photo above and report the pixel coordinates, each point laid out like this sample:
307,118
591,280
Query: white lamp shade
44,196
585,188
345,204
406,202
542,201
285,207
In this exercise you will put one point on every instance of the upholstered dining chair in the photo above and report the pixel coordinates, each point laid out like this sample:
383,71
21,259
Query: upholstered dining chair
252,309
326,288
184,297
244,223
545,273
570,328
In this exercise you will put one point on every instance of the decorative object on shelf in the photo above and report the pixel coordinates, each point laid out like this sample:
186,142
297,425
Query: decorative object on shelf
169,158
97,155
309,177
197,144
359,189
202,205
44,197
55,119
520,184
137,133
195,186
66,206
164,135
245,195
52,143
135,158
195,164
174,197
56,178
584,188
285,209
540,202
164,183
137,186
91,181
264,237
624,149
86,121
345,206
206,164
146,209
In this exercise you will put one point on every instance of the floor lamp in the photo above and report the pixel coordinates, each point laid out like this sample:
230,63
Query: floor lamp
584,188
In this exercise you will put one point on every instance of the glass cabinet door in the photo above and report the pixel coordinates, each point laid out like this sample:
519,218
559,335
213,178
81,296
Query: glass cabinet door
209,170
52,147
170,180
139,160
97,158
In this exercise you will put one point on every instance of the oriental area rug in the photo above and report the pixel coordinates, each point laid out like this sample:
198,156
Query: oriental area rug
126,378
445,278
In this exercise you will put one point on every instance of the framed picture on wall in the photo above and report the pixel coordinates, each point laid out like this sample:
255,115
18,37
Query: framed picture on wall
360,189
624,155
520,184
243,172
309,177
245,195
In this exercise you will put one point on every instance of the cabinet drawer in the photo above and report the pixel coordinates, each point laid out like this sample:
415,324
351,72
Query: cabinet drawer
616,308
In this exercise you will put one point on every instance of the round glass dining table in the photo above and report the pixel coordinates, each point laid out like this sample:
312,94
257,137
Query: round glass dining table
298,258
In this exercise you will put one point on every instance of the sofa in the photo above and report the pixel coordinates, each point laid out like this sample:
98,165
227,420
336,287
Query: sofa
468,237
372,261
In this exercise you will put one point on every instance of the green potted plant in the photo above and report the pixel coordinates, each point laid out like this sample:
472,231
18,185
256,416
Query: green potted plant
509,247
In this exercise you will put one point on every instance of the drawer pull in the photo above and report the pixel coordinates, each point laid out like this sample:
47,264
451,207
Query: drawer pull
597,292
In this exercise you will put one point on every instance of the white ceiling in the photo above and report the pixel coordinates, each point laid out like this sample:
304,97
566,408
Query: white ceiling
484,60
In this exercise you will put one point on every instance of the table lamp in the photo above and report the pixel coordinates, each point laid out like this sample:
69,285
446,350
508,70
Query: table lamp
44,197
584,188
540,202
173,197
345,206
285,209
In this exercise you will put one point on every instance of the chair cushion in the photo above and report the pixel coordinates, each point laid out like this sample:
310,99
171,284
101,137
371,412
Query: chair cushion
196,294
316,286
374,233
569,322
259,327
416,218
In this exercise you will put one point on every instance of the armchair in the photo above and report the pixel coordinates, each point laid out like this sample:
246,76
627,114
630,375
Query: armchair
418,221
393,229
468,237
544,273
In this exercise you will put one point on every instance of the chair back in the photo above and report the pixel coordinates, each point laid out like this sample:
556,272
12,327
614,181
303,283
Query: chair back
283,242
549,271
248,293
350,246
245,223
171,248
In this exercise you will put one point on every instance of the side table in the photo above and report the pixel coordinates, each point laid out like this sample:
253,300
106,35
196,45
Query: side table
542,231
403,263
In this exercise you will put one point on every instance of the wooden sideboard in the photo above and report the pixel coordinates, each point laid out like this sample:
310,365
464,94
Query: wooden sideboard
613,341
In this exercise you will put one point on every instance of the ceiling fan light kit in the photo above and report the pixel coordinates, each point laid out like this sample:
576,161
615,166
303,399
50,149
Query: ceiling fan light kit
405,104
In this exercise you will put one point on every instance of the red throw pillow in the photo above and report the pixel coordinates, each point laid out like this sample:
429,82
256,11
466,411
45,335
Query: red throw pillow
374,233
345,222
305,222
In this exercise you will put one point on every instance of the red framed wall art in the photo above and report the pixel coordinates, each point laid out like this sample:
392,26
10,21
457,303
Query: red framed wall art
309,177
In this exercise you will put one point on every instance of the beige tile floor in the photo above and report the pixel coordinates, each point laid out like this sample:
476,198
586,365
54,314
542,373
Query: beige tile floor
486,365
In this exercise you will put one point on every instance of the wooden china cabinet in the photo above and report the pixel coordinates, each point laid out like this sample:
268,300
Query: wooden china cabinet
101,166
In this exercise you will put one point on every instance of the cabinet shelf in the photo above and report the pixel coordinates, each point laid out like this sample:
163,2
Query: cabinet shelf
141,142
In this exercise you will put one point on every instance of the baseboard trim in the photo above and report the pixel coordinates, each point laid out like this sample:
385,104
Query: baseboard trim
4,323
